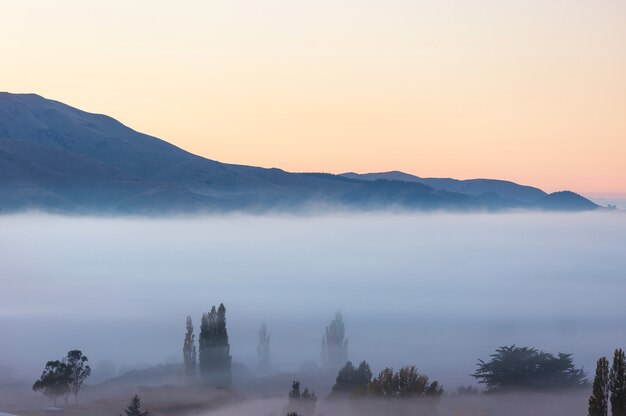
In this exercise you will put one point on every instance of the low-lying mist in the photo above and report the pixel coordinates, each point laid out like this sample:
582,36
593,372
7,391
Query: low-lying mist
435,290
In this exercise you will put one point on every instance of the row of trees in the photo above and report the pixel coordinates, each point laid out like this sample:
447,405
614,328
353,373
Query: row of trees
212,357
609,386
213,352
407,382
64,377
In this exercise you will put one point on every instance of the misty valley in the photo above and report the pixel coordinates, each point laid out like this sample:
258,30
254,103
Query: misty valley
349,313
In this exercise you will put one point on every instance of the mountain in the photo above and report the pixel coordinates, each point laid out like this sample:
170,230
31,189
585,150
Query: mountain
503,189
565,201
57,158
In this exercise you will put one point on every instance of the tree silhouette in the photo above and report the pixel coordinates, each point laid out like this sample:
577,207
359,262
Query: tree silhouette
78,370
263,350
599,400
528,369
617,384
54,381
214,352
405,383
302,403
134,407
189,349
334,344
352,380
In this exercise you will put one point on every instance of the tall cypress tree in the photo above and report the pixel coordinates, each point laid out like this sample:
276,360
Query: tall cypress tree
263,350
214,351
617,384
334,344
189,349
599,400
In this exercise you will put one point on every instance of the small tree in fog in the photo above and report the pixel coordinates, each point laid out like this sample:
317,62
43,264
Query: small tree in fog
405,383
352,380
302,403
78,370
528,369
263,350
189,349
214,352
134,407
334,344
54,381
599,400
617,384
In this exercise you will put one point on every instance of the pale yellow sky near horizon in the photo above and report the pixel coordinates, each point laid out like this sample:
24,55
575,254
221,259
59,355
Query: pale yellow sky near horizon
532,91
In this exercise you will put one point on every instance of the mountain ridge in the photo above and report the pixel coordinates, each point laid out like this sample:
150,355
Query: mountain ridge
55,157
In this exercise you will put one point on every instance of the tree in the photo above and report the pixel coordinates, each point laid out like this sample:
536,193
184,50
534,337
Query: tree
528,369
134,407
54,381
78,370
405,383
189,349
617,384
302,403
599,400
334,344
352,380
263,350
214,352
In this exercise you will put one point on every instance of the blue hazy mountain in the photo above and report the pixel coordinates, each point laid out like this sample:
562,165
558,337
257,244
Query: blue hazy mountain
503,189
54,157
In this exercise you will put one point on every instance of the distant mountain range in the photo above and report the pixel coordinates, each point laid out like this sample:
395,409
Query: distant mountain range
57,158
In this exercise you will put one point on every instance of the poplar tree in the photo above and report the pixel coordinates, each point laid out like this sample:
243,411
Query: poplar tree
599,400
263,350
617,384
214,348
334,344
189,349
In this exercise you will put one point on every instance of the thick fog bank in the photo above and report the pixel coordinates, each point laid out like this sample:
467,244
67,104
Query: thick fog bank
435,290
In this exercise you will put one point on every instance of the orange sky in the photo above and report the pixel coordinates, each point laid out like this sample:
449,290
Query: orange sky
532,90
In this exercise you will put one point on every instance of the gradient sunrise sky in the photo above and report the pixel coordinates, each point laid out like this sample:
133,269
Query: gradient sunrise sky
532,91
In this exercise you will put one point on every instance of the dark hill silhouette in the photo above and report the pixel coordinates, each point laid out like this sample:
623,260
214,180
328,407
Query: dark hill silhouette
57,158
503,189
566,201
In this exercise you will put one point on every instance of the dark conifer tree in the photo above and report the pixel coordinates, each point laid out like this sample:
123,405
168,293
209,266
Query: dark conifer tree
617,384
302,403
599,400
134,407
214,351
352,380
189,349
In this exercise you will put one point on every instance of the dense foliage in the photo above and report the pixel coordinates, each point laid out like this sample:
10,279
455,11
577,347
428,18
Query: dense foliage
62,377
617,384
214,352
599,400
404,383
352,380
528,369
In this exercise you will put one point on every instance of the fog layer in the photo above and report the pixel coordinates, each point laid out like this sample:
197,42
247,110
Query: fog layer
435,290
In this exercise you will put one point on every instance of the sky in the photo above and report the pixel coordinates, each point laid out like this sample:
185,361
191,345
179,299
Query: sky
531,91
